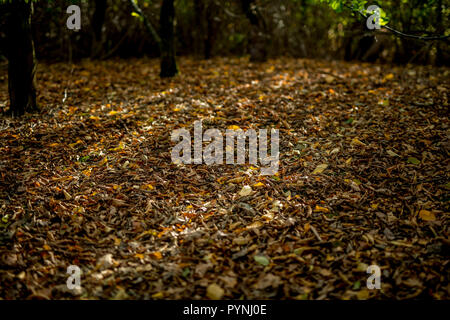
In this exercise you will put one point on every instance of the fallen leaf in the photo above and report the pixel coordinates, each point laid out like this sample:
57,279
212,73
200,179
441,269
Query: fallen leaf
392,153
413,160
245,191
320,168
214,292
427,215
321,209
262,260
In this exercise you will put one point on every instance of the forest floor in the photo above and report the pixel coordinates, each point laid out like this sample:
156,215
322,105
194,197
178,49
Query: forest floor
363,180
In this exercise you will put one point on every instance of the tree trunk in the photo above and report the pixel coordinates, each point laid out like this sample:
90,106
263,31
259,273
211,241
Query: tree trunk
209,41
440,30
199,30
21,57
98,19
211,27
258,38
205,34
168,62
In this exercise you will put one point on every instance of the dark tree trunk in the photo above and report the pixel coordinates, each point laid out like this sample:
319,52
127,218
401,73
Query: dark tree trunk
258,37
199,30
206,26
209,41
168,62
440,30
98,19
352,37
211,15
21,58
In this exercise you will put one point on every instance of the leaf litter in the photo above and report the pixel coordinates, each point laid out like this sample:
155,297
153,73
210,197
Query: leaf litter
363,180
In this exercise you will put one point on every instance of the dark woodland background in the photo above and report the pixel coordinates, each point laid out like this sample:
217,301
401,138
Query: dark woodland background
208,28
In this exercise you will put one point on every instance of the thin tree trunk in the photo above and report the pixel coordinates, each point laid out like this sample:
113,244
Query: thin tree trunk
258,39
205,13
209,41
440,30
211,28
168,61
199,30
21,57
98,19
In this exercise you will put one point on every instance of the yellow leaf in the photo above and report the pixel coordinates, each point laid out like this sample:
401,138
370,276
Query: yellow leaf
139,255
157,255
120,147
427,215
259,184
76,143
105,160
321,209
67,195
320,168
390,76
356,141
158,295
363,294
306,227
234,127
236,180
255,225
94,118
240,241
78,210
113,112
46,247
384,103
214,292
148,187
329,79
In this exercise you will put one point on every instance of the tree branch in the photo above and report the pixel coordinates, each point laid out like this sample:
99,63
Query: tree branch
399,33
147,24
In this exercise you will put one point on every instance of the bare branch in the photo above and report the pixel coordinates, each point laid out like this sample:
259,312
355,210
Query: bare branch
399,33
147,23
